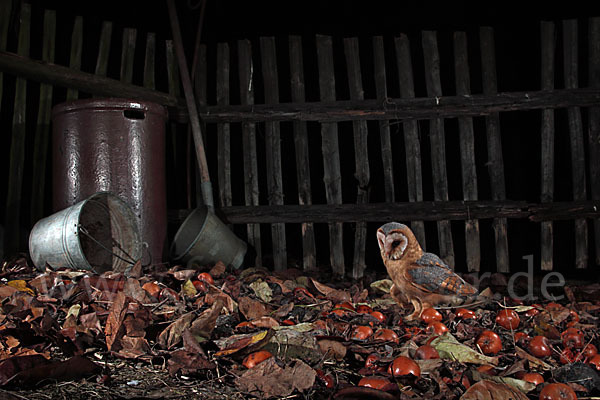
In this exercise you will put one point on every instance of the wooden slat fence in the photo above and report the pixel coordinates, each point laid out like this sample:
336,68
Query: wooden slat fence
21,210
300,92
464,105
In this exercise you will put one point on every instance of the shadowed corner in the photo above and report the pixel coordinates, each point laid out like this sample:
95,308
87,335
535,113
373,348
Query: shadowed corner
249,258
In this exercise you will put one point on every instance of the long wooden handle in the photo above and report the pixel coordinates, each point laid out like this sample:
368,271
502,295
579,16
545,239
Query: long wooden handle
191,106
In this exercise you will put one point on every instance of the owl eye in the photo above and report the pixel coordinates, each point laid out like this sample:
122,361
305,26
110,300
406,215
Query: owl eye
396,243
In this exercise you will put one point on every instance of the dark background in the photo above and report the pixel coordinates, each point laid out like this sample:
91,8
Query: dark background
516,26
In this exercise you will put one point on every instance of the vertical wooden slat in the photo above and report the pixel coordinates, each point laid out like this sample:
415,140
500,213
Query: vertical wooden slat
223,130
309,257
361,154
412,144
104,49
384,126
331,153
571,65
594,122
246,71
173,83
127,54
273,148
17,145
200,92
76,48
547,132
467,150
494,145
438,144
5,13
150,62
42,130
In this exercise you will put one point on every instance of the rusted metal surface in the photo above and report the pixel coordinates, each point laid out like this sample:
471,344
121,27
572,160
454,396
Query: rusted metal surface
115,145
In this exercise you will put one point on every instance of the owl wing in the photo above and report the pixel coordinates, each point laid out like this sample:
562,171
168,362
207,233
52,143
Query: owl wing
430,274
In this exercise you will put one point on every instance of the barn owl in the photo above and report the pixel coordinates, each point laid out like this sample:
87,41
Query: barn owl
419,278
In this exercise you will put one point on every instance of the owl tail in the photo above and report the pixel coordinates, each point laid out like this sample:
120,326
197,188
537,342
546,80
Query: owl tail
477,299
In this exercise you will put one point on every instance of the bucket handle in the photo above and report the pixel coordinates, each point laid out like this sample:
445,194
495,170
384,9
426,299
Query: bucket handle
86,233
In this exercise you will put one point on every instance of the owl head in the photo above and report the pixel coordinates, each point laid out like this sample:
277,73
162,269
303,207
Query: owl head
394,239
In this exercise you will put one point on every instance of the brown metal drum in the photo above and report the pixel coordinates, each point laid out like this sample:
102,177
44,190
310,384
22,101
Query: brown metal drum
118,146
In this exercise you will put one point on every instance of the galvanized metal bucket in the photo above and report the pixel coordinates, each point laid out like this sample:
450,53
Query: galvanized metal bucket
203,239
97,234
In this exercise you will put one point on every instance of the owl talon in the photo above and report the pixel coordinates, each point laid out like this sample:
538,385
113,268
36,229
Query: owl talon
411,317
418,309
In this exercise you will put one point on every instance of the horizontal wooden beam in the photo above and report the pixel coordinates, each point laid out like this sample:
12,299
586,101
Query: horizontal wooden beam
390,109
58,75
400,109
380,212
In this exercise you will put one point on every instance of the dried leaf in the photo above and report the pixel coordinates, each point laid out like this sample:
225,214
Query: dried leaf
450,349
21,286
428,366
235,343
205,323
7,291
44,282
262,290
383,285
289,344
114,329
267,379
579,373
171,335
518,384
335,295
190,343
136,271
134,347
134,289
251,309
135,325
284,288
265,322
332,349
218,270
189,289
188,362
184,274
301,327
534,362
214,293
284,310
360,297
72,314
543,328
488,390
91,322
12,342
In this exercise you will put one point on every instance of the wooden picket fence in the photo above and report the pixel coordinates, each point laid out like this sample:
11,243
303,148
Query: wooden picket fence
287,163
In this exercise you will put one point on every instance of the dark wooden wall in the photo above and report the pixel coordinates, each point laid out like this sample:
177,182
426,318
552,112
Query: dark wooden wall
312,142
